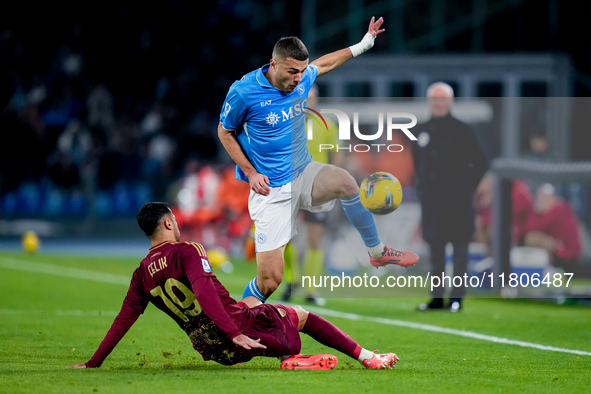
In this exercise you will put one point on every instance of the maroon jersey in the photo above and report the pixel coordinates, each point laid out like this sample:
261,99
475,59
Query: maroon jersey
177,278
561,224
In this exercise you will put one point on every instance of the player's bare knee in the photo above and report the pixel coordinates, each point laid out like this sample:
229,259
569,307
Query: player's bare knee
342,184
349,186
302,316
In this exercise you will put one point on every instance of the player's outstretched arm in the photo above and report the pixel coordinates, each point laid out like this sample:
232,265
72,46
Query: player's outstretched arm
333,60
258,182
123,322
133,306
248,343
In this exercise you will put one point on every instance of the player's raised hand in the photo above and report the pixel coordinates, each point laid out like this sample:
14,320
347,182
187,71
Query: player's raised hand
248,343
258,183
78,366
374,26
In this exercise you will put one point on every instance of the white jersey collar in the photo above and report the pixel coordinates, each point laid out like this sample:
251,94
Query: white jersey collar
262,79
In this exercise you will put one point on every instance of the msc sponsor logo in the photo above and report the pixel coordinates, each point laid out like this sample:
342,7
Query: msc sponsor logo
294,110
286,114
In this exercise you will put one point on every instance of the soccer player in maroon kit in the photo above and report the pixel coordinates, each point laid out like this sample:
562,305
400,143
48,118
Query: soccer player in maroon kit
177,278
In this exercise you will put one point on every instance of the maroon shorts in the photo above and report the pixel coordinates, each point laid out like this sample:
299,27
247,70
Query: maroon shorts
277,327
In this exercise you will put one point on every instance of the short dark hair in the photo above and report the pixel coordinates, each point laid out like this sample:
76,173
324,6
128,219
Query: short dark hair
149,216
290,47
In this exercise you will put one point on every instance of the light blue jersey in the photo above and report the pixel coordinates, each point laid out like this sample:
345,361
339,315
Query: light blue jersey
270,124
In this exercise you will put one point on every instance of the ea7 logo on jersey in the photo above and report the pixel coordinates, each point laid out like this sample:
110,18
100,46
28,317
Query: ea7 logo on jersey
265,103
206,266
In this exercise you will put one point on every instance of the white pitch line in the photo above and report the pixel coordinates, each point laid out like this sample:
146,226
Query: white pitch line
78,273
444,330
71,312
60,270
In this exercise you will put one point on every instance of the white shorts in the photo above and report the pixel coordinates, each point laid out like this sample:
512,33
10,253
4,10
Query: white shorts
275,216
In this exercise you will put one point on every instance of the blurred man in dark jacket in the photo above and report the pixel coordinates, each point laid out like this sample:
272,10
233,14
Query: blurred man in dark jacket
449,163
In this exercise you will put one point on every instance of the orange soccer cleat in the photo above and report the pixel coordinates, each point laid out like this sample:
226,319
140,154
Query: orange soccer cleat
315,362
381,361
393,256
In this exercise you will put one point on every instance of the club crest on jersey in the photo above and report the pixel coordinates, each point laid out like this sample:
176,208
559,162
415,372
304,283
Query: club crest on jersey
272,119
262,238
206,266
300,89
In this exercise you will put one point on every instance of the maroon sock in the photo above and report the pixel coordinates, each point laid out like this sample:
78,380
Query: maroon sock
330,335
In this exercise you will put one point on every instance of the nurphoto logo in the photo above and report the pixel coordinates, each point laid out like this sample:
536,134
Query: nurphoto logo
392,123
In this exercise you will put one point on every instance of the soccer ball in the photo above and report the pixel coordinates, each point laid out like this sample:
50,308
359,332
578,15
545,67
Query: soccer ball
31,242
381,193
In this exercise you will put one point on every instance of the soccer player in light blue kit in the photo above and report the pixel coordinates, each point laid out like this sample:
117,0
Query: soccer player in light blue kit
262,126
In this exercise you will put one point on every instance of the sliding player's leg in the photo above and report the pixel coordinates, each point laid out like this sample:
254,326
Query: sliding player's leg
330,335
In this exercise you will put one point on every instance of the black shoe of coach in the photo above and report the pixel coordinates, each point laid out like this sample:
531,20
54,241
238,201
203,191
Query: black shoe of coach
434,304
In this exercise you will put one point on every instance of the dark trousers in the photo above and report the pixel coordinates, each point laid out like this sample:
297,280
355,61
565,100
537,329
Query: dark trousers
460,265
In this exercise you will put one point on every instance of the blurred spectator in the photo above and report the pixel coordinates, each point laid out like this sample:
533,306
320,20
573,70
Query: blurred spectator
61,107
232,195
553,227
212,205
196,202
76,142
539,146
141,91
522,205
449,164
575,193
71,153
232,199
99,107
153,121
62,171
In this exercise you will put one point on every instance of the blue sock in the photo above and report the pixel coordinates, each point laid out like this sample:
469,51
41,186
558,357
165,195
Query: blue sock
362,220
252,290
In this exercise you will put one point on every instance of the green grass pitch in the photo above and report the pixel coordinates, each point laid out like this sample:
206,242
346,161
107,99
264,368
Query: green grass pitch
49,321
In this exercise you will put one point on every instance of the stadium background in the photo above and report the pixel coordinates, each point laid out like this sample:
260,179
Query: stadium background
106,105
